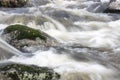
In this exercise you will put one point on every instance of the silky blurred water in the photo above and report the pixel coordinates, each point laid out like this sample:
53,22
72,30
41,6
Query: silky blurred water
90,38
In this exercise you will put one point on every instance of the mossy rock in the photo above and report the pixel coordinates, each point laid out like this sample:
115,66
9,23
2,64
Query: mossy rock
27,72
23,32
22,38
13,3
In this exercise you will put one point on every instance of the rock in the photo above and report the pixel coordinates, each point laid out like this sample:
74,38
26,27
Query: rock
98,6
21,36
7,51
115,4
13,3
107,6
114,7
15,71
22,32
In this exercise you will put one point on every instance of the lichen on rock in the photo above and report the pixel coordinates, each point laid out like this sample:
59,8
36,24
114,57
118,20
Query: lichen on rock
13,3
27,72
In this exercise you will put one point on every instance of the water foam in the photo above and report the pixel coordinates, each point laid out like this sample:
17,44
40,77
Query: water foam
67,66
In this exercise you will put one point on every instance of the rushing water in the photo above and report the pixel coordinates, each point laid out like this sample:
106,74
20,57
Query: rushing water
91,39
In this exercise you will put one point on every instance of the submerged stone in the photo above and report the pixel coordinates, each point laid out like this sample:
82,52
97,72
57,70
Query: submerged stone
26,72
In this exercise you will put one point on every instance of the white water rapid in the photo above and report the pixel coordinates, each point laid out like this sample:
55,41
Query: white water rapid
91,39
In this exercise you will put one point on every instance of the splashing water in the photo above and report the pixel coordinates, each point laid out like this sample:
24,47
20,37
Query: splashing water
91,49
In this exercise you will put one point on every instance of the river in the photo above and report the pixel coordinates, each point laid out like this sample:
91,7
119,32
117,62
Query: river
91,39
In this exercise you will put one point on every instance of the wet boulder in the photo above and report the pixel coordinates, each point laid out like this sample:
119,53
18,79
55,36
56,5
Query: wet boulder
115,4
13,3
21,36
107,6
22,31
114,7
98,6
13,71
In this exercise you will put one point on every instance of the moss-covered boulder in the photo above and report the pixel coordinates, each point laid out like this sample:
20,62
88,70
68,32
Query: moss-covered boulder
13,3
21,36
24,32
26,72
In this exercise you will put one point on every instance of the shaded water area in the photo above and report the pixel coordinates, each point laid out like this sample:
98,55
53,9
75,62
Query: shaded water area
90,39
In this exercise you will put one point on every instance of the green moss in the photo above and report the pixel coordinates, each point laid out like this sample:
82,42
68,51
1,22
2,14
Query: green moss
27,72
24,32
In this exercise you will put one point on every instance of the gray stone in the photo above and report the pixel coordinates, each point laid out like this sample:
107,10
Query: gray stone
115,4
114,7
